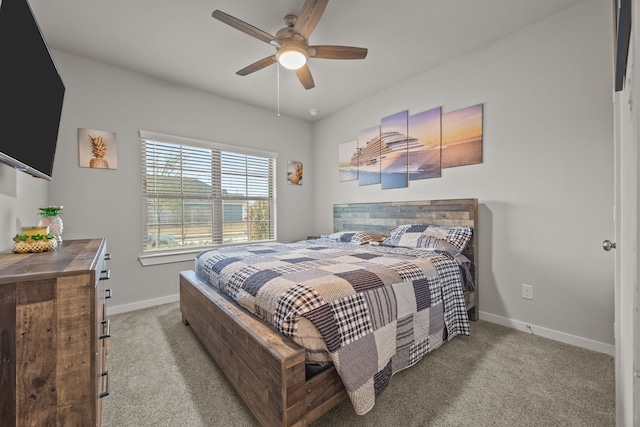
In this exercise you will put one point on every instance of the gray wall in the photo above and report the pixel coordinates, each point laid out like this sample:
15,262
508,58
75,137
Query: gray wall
20,197
546,185
108,203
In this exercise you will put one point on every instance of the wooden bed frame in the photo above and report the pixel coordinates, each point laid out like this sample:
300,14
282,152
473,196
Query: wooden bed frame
268,369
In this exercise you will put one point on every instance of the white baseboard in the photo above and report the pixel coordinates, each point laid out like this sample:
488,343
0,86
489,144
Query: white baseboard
600,347
142,304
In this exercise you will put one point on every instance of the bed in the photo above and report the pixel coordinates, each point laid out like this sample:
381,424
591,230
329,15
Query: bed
268,369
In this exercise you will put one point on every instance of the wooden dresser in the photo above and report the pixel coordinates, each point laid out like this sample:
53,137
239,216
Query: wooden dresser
54,337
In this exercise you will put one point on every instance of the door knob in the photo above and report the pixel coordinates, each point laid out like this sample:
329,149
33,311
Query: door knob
607,245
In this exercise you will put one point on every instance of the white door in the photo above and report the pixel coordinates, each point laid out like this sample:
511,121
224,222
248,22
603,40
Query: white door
627,326
635,200
636,323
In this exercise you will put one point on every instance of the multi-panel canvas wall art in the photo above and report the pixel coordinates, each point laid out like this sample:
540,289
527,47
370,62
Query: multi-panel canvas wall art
408,148
462,137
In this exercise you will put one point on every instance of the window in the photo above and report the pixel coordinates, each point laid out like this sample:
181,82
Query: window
198,194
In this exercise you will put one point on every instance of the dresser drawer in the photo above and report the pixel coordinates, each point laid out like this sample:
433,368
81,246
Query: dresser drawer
102,269
103,294
103,331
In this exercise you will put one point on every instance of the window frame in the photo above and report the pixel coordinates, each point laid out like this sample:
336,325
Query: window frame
176,254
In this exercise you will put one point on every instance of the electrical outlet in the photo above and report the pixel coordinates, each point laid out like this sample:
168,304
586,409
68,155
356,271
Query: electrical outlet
527,291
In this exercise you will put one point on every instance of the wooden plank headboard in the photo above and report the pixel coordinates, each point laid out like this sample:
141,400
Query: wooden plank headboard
384,216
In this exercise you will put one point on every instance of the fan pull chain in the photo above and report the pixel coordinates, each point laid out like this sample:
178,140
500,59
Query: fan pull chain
278,85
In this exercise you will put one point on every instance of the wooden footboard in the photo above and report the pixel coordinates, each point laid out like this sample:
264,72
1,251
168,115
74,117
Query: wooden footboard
266,368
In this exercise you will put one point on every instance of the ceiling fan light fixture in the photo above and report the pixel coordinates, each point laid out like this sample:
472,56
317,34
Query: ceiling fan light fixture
292,42
292,57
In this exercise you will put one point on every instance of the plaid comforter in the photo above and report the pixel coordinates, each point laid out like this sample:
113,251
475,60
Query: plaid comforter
377,309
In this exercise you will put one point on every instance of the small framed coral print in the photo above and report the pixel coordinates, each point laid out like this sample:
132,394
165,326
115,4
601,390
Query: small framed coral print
294,172
97,149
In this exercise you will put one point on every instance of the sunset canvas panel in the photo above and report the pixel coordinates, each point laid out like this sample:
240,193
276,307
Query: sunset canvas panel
424,143
462,137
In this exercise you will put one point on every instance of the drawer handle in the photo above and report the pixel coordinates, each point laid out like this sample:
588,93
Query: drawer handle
107,333
107,293
105,274
107,257
105,393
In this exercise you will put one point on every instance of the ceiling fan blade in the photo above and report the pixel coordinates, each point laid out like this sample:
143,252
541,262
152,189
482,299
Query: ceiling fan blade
245,28
258,65
309,16
304,75
337,52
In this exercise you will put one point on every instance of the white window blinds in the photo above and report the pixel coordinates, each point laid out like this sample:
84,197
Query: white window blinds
199,194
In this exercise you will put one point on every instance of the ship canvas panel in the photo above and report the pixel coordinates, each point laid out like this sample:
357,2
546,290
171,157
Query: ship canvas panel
367,156
394,154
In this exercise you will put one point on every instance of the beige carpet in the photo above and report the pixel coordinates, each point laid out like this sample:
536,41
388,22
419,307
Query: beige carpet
160,375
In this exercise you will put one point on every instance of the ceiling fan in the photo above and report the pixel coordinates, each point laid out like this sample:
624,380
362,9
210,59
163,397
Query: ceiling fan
292,42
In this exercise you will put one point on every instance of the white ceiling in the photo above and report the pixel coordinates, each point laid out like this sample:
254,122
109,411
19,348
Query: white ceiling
180,42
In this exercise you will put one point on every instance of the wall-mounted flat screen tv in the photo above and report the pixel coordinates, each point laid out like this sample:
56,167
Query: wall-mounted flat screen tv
622,24
31,93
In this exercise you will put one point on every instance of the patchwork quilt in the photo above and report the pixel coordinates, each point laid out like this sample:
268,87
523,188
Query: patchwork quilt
372,310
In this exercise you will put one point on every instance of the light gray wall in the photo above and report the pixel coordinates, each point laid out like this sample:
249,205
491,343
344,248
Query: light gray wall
108,203
546,185
20,197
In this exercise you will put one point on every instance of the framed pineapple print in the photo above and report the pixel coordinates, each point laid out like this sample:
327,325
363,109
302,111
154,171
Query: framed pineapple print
97,149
